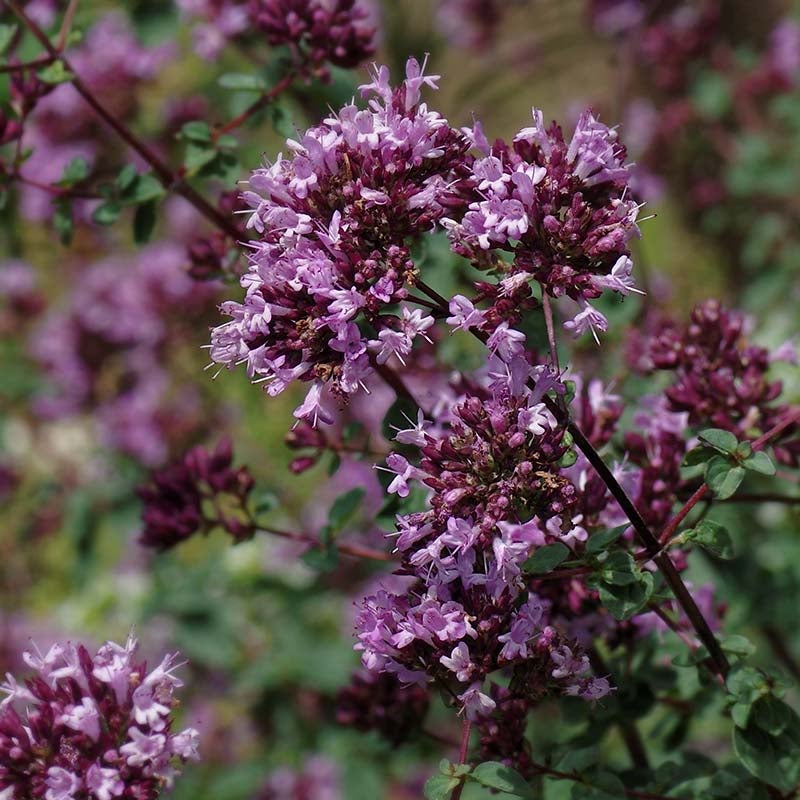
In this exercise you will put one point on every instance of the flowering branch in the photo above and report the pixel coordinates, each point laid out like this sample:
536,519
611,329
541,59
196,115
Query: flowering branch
169,179
644,534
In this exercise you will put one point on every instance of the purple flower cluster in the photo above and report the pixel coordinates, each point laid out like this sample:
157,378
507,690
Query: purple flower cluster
470,23
214,23
341,32
497,493
318,32
720,378
106,351
657,447
333,260
173,501
94,727
20,297
561,209
664,37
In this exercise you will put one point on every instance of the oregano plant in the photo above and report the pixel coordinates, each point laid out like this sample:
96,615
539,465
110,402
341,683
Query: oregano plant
458,483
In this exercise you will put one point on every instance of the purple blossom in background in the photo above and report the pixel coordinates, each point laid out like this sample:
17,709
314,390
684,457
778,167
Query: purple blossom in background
339,31
215,22
720,378
317,780
173,499
784,50
612,17
471,23
106,350
91,726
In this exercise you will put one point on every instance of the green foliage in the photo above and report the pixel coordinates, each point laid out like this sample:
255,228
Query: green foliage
208,154
243,82
7,34
326,557
725,461
711,536
55,73
547,558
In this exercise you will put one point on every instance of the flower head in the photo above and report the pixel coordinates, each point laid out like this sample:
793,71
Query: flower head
81,733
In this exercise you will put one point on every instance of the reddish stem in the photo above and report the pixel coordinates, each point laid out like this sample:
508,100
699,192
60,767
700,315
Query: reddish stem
670,528
466,729
42,61
355,550
59,191
66,24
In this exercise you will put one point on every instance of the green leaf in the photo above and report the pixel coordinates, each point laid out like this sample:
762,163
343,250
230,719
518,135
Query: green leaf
577,759
568,459
76,171
601,541
737,645
722,478
440,787
495,775
625,601
227,142
107,213
127,175
144,188
264,502
198,155
771,715
55,73
196,131
772,759
711,536
759,462
7,34
697,455
281,119
447,767
322,559
144,221
344,508
600,786
711,94
746,685
721,440
62,220
744,450
619,569
546,558
243,82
